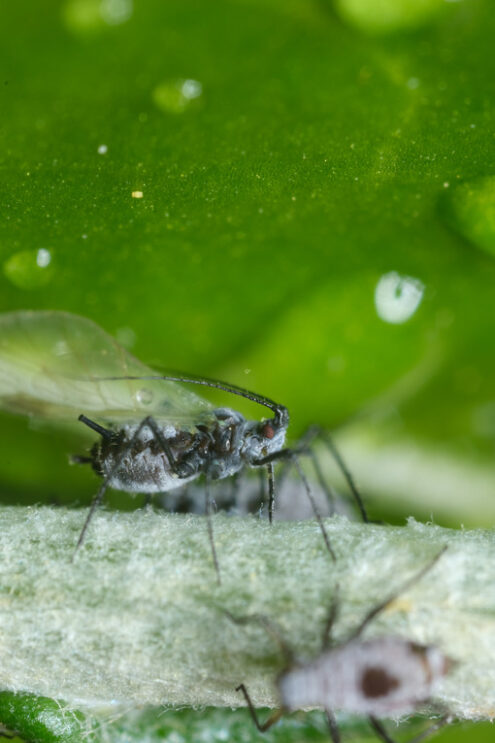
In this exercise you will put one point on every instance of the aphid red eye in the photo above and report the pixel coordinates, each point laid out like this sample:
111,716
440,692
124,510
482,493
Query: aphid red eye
268,431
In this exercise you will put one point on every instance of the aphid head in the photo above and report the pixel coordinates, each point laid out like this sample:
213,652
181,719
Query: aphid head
262,438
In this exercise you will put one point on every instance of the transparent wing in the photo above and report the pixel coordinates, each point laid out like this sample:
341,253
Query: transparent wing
51,365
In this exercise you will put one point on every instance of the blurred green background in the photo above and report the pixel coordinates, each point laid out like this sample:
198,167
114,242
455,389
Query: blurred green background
297,196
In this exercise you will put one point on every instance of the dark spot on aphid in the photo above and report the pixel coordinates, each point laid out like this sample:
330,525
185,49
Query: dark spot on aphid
376,682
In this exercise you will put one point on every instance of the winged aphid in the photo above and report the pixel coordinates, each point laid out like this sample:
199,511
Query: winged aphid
385,676
155,435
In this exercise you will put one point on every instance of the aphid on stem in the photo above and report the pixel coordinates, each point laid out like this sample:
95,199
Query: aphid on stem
385,676
155,435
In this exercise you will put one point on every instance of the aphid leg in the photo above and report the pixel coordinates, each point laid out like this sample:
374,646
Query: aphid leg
393,596
105,433
303,448
316,512
260,502
431,729
329,443
150,422
271,627
147,422
324,485
262,727
332,726
289,454
304,445
94,505
333,613
234,487
208,510
380,730
271,491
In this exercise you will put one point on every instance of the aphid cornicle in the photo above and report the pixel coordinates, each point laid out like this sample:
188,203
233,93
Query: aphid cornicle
156,435
381,677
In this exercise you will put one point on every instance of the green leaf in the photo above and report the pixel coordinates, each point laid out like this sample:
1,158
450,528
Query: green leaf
303,190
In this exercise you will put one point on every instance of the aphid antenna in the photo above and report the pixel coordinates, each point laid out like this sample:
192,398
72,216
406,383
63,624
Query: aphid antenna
271,627
303,446
289,454
393,596
280,411
333,613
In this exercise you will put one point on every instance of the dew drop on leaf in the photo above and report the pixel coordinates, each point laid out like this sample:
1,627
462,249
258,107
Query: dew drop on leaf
397,297
144,396
387,16
29,269
177,96
88,17
472,210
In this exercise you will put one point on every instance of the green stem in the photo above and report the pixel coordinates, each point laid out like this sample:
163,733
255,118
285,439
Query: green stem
138,618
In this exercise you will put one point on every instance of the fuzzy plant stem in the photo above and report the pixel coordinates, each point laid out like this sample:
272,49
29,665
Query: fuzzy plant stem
139,618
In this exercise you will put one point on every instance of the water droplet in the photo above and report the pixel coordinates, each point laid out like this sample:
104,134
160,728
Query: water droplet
61,348
176,96
137,194
115,12
397,297
29,269
388,16
43,258
144,396
191,89
102,149
87,17
472,210
83,16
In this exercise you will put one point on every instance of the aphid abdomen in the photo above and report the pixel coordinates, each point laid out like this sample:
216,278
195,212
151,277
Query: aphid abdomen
145,466
383,677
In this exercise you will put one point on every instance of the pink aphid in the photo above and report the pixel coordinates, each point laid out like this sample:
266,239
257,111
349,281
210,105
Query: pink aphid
385,676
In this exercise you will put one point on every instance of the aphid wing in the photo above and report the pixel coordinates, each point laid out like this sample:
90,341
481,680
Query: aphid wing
52,365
